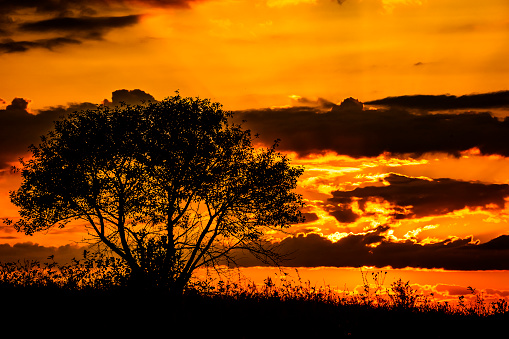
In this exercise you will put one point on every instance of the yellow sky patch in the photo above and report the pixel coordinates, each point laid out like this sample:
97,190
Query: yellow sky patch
281,3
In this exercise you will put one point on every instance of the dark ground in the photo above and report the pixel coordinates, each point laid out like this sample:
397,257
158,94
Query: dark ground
126,314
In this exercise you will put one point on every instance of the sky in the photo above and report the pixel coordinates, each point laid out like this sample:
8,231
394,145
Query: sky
395,108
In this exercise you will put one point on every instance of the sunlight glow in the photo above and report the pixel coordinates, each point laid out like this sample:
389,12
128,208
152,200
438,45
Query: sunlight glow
335,237
469,152
282,3
390,5
412,234
386,160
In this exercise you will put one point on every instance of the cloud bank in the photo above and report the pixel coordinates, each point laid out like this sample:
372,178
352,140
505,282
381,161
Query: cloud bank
35,252
446,102
417,198
352,130
313,250
358,250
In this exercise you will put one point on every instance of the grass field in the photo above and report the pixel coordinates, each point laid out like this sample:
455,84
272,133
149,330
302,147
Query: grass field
90,298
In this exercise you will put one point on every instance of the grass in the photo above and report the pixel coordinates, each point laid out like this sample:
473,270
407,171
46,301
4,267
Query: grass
92,296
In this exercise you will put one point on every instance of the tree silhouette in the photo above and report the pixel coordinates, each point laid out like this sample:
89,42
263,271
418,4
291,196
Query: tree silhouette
167,186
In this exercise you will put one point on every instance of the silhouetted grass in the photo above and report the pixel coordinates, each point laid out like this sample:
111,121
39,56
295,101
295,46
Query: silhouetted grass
93,296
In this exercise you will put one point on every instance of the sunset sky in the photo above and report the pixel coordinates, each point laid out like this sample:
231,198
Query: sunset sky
396,109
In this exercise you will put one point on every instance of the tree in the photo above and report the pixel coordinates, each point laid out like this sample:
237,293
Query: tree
167,186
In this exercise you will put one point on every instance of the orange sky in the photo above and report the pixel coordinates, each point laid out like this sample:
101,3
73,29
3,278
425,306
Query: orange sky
255,53
297,57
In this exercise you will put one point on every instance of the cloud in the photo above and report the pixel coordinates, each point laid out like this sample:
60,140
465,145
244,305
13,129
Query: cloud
11,46
130,97
35,252
310,217
68,22
320,102
19,128
151,3
357,250
344,214
416,198
453,290
87,27
354,250
445,102
5,23
45,6
87,7
18,104
74,31
349,129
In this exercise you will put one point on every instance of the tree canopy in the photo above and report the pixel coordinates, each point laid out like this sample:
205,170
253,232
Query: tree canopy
168,186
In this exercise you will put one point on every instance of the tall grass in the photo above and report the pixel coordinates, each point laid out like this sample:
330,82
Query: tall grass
93,272
399,295
100,273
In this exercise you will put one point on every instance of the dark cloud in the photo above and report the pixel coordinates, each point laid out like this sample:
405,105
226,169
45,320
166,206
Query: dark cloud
343,214
453,290
67,22
34,252
415,198
11,46
313,250
87,27
349,104
86,7
19,128
74,31
358,250
351,130
18,104
130,97
46,6
158,3
320,102
499,293
310,217
6,23
446,102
